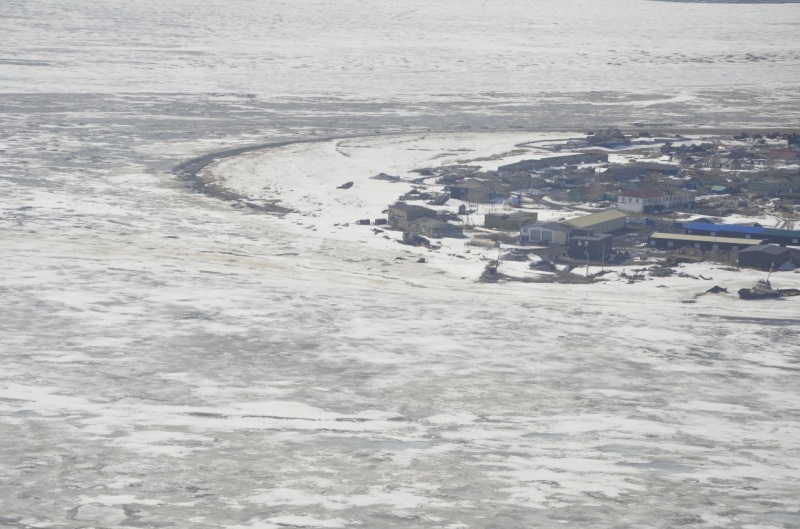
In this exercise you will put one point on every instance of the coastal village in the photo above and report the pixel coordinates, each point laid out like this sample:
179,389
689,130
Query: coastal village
645,202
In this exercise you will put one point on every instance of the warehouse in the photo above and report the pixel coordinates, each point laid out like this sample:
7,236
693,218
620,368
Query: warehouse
725,230
765,257
772,235
782,237
674,241
607,221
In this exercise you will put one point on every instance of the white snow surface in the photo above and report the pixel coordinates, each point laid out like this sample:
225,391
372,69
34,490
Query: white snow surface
380,47
170,360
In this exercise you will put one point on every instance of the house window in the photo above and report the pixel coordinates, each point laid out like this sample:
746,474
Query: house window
669,244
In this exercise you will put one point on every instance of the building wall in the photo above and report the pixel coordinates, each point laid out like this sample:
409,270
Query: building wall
608,226
399,217
511,222
668,244
629,204
790,237
643,205
445,229
535,234
579,246
746,232
426,231
471,191
762,260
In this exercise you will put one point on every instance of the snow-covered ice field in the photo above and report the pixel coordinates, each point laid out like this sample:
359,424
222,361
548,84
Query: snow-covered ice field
311,46
167,360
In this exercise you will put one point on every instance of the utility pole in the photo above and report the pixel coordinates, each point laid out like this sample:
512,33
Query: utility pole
587,263
497,267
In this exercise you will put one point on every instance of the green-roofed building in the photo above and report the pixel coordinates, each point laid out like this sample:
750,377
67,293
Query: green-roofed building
782,237
607,221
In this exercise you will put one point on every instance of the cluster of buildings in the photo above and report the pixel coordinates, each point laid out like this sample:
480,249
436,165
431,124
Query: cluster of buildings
739,170
591,236
586,237
661,174
756,246
743,168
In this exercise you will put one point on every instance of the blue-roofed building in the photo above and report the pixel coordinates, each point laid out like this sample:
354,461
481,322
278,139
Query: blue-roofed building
735,231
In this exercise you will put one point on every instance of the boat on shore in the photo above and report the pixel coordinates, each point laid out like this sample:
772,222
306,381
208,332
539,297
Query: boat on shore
762,290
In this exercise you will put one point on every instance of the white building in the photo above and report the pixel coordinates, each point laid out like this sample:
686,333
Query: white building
649,200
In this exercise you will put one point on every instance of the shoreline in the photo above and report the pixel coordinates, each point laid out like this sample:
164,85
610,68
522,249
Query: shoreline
191,170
